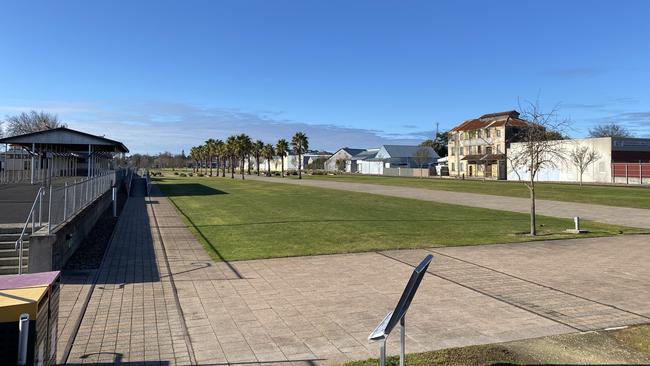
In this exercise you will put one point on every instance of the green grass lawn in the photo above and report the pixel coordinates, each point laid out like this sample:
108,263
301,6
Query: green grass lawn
638,197
237,220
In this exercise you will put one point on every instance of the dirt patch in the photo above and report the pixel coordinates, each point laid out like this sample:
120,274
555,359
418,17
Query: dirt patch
624,346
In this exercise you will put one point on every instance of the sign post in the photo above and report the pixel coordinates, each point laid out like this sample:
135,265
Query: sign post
382,331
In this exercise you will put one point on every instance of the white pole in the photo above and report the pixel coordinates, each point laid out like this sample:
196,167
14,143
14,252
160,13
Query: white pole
23,338
33,152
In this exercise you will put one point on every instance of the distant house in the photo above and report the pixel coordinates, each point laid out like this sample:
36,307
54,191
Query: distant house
477,147
345,155
358,162
396,156
310,160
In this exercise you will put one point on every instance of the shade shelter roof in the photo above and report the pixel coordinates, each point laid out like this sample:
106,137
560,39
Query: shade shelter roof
70,140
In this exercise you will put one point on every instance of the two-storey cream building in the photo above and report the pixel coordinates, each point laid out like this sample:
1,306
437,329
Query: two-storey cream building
477,147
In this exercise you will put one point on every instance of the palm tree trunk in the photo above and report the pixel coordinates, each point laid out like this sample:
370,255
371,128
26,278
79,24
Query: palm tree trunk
257,161
299,166
268,167
223,166
232,167
282,165
210,165
243,159
249,165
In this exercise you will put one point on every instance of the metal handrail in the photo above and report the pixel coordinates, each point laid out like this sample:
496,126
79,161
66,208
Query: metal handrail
32,216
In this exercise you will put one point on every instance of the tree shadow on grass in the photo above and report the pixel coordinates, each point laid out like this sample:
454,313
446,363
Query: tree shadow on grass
214,249
189,189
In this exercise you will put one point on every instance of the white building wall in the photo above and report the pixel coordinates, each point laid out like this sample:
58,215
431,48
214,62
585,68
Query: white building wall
599,171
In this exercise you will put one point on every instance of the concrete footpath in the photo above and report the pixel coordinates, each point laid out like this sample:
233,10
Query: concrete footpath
633,217
161,300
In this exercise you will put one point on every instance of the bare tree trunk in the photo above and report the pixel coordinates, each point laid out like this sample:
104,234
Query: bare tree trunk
533,223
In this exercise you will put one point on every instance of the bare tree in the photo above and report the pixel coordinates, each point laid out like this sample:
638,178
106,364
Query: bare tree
32,122
422,156
581,157
536,149
610,130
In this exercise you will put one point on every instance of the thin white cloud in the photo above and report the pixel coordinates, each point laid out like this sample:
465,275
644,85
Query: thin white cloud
152,127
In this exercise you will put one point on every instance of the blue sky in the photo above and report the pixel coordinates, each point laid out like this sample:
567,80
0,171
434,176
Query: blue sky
165,75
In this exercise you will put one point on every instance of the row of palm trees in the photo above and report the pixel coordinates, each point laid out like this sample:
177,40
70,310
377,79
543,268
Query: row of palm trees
238,149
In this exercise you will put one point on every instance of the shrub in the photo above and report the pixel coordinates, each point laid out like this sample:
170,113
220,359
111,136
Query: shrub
190,174
200,175
183,174
175,173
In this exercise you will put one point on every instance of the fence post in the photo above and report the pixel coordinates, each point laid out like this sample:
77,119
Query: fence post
627,178
40,207
65,200
114,202
74,195
640,173
49,213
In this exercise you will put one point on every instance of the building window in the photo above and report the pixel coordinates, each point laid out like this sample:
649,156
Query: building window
462,167
479,149
498,133
498,149
453,167
462,151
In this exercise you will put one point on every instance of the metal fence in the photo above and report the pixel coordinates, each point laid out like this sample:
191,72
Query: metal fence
65,202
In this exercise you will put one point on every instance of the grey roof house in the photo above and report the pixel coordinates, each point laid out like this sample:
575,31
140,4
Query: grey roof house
343,154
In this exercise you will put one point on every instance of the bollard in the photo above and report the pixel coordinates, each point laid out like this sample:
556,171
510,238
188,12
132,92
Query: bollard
23,338
576,222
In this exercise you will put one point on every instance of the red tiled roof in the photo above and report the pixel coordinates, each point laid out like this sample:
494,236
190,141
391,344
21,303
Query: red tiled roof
475,124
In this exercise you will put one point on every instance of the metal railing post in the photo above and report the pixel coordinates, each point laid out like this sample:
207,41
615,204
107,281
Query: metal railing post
20,256
382,353
65,200
402,341
40,207
49,213
74,196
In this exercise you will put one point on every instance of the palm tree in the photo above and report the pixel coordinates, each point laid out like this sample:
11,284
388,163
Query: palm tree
231,151
282,149
267,152
257,152
211,150
300,144
244,146
220,152
194,155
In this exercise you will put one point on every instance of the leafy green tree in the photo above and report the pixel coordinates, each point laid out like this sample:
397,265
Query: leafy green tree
300,144
282,149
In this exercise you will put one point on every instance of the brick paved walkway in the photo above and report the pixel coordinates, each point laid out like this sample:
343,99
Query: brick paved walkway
634,217
132,315
320,309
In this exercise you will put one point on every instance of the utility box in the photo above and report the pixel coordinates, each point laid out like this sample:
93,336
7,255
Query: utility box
35,297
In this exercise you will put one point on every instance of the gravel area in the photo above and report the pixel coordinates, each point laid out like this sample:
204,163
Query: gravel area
91,251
